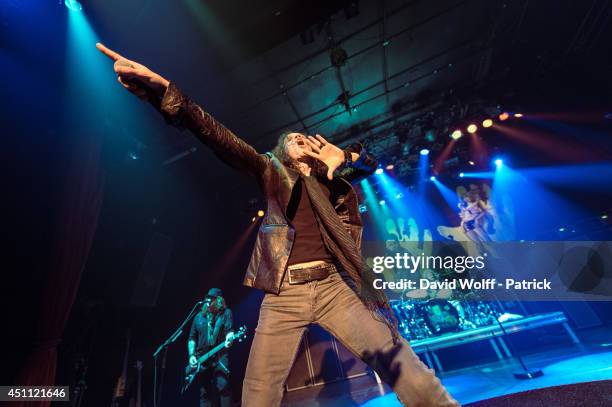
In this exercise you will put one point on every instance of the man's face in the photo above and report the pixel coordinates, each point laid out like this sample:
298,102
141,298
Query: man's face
295,145
213,304
219,302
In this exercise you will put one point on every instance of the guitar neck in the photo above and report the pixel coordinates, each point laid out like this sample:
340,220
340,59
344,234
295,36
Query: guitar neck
236,336
211,352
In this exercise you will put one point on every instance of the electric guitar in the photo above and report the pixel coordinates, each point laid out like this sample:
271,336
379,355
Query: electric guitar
191,371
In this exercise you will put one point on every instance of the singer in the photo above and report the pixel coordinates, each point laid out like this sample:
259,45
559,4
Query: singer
307,256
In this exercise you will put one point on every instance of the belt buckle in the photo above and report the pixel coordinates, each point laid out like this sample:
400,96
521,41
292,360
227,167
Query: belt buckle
290,279
329,268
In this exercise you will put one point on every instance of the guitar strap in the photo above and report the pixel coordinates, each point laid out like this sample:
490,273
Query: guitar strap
213,332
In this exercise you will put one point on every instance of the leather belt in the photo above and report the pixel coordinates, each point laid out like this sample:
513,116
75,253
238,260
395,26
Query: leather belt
304,272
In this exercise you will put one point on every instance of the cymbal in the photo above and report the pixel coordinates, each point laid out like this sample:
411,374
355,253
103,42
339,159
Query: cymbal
416,294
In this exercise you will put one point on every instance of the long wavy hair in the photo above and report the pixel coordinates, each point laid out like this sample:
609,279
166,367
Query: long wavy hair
279,150
213,308
318,167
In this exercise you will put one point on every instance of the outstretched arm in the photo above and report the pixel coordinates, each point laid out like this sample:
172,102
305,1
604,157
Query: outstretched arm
179,110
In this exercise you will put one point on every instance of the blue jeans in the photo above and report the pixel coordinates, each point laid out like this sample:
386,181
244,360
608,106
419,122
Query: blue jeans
333,305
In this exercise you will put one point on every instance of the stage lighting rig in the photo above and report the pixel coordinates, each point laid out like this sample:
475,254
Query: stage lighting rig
338,57
344,100
456,135
73,5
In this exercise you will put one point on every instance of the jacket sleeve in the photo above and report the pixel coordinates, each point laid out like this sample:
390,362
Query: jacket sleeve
364,166
181,112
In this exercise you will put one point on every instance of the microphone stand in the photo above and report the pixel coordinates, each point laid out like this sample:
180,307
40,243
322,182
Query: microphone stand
164,346
526,373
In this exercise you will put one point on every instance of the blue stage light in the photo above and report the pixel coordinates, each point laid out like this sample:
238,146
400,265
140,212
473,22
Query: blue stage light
461,175
424,151
432,178
363,208
499,162
382,202
378,171
73,5
399,195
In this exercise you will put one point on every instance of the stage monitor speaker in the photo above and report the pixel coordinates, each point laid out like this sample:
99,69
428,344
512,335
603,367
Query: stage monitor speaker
151,276
301,374
322,359
351,366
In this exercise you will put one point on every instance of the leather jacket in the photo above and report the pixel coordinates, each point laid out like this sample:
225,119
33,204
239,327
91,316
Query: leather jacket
275,236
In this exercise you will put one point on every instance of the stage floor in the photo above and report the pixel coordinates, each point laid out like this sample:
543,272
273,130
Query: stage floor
564,364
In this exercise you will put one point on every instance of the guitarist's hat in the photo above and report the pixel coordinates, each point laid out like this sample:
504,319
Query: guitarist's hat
215,292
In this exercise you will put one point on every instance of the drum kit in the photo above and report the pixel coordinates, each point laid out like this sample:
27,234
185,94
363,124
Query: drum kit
420,316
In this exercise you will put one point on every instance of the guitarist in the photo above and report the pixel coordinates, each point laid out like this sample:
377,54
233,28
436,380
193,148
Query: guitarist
210,327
